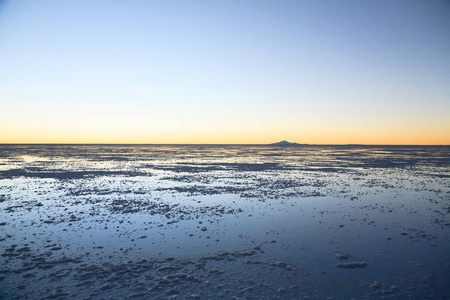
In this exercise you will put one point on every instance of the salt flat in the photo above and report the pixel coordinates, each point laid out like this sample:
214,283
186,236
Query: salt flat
208,222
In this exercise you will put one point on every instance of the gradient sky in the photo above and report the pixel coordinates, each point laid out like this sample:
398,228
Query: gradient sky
324,72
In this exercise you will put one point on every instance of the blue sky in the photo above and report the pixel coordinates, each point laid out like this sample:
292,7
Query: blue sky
225,71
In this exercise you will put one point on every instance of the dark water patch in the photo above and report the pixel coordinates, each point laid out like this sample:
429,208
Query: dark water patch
63,175
209,167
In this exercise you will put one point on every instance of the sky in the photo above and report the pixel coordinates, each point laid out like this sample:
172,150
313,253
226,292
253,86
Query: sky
225,72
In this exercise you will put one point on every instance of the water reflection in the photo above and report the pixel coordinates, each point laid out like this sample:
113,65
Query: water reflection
204,221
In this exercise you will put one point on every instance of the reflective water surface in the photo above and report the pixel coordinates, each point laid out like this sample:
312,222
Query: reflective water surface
209,222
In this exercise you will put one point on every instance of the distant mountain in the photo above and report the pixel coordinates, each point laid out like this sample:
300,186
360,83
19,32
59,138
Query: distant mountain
285,143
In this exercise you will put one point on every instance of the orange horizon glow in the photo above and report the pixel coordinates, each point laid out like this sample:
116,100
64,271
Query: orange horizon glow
392,140
132,129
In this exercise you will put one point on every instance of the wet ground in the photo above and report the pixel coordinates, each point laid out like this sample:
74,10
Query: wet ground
211,222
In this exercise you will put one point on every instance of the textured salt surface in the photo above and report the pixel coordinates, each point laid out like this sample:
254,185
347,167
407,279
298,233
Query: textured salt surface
207,222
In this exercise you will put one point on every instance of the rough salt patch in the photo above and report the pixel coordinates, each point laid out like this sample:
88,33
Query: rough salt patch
343,256
352,265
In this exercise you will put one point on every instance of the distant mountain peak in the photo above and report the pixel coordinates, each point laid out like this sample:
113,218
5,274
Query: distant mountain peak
284,143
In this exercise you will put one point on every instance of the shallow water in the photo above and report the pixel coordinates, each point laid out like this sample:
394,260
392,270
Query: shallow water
208,222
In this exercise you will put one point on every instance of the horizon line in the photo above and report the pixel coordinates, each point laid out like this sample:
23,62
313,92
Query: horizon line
222,144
